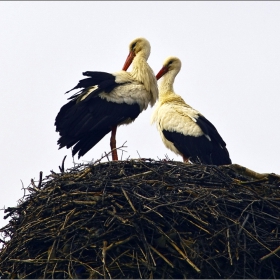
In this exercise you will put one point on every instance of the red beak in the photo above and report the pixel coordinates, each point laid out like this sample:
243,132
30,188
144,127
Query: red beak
162,71
128,61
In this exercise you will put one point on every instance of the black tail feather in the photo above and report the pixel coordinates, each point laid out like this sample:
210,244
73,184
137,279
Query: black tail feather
199,149
220,155
86,143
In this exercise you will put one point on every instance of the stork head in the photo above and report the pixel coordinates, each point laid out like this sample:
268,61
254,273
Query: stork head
171,64
136,47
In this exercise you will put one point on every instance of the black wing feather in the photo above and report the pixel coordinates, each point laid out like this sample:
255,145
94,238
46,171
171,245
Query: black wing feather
200,149
208,128
96,78
84,124
105,86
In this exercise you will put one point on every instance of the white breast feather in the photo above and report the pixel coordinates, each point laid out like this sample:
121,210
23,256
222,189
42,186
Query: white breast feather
132,93
176,118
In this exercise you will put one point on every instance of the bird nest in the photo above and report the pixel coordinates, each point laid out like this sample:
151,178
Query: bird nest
145,219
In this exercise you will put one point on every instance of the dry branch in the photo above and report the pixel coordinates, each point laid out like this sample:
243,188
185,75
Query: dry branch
145,219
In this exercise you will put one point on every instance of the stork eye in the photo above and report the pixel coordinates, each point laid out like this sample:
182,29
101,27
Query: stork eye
170,62
133,46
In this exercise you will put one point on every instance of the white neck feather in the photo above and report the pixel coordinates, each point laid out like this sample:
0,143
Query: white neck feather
143,73
166,85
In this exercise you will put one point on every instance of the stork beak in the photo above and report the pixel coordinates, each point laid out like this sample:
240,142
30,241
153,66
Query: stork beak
128,60
162,71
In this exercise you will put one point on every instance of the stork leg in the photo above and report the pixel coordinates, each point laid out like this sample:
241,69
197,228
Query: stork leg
185,159
113,143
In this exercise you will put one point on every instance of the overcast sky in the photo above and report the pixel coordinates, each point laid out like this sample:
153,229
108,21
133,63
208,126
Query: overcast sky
230,53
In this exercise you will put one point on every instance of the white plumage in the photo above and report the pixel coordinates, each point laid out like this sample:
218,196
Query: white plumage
107,101
184,130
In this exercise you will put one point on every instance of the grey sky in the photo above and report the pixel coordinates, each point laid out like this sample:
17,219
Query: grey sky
230,53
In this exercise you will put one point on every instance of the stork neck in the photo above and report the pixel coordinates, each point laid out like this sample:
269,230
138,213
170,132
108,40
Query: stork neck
143,73
166,85
140,67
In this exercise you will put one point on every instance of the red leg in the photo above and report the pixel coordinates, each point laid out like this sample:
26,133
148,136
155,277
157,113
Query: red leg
185,159
113,143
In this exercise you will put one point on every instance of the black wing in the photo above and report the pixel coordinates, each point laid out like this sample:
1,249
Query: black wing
208,128
96,78
102,81
200,149
82,123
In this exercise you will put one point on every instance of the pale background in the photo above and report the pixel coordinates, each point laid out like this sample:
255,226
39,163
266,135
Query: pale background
231,73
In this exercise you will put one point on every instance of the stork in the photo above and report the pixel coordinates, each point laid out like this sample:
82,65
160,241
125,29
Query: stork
107,101
184,130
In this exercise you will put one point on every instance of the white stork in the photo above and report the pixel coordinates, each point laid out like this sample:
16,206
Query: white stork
107,101
184,130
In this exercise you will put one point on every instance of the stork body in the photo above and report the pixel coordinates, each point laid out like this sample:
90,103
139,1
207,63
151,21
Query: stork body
107,101
184,130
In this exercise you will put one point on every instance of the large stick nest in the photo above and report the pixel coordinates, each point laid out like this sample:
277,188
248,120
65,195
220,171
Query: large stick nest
145,219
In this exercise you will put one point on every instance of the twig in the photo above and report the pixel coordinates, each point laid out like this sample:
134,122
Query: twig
134,176
40,180
163,257
129,201
104,250
228,247
242,226
61,169
270,254
121,242
185,257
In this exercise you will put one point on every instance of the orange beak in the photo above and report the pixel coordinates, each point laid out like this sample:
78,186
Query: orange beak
162,71
128,61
